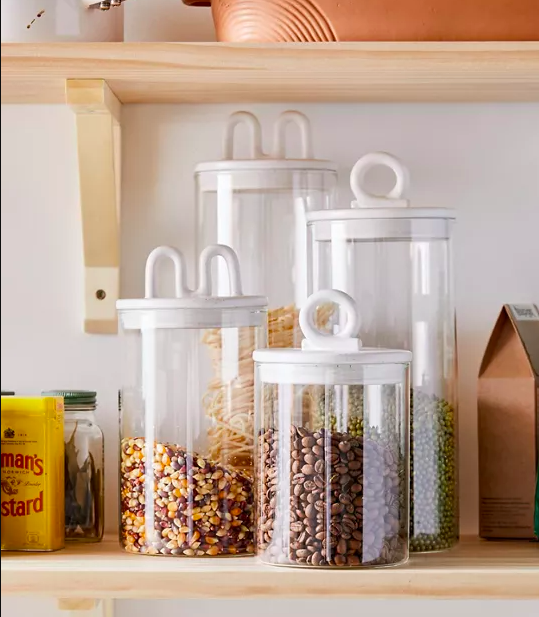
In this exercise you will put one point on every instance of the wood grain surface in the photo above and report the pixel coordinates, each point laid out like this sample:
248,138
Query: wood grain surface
217,72
475,569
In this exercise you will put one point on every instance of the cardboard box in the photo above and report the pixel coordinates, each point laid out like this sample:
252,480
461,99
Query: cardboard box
508,413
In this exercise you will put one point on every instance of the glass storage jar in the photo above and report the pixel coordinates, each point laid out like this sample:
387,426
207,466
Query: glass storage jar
396,262
333,448
84,466
187,414
257,207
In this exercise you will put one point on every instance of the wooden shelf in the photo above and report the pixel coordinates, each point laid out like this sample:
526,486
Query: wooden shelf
475,569
218,73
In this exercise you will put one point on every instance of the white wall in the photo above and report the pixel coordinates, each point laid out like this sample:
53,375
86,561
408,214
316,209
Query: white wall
482,160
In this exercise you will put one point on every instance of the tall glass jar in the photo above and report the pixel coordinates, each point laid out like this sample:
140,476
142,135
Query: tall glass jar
257,206
187,414
84,466
396,262
333,448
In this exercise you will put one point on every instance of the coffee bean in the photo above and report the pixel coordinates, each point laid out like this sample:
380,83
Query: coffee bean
310,459
336,508
308,470
319,482
319,466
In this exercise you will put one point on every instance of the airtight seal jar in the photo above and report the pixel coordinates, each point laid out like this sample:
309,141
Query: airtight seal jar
257,206
84,466
187,415
333,448
396,262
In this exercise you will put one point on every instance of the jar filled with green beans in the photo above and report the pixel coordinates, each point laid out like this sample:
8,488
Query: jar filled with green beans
395,260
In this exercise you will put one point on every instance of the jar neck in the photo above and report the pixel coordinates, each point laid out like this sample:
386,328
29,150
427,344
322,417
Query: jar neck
80,414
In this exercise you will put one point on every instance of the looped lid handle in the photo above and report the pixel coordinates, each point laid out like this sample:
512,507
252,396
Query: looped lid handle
393,199
255,134
344,341
205,285
279,135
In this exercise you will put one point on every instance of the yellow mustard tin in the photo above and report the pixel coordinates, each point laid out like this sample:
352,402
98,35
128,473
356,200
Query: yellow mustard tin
32,473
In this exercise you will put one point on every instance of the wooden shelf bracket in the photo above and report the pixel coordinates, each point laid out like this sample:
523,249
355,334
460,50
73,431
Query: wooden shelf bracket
99,152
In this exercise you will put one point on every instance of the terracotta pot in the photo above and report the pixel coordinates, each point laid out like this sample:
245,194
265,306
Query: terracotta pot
241,21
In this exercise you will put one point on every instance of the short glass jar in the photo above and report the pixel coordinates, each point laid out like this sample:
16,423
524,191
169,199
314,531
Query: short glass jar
84,467
333,448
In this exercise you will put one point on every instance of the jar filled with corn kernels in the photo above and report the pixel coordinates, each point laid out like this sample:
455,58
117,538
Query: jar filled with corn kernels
187,417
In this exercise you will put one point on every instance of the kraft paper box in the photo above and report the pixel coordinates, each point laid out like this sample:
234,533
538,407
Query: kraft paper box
508,412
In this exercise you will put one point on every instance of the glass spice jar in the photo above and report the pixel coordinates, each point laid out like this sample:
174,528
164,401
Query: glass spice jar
84,467
333,448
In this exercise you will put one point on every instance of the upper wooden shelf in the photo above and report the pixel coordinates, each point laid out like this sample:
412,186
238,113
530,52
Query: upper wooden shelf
219,73
475,569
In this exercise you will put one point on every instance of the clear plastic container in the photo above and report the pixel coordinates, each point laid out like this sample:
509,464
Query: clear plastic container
333,448
396,262
187,415
84,466
257,207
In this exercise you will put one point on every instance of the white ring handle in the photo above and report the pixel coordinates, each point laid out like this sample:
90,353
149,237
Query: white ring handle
255,132
279,135
346,339
394,197
178,260
233,267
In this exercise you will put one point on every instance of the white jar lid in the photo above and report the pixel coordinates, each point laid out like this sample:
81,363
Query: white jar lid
192,308
386,208
321,351
276,161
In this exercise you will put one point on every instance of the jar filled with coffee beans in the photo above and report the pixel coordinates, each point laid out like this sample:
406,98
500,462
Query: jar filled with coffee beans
333,448
396,261
187,414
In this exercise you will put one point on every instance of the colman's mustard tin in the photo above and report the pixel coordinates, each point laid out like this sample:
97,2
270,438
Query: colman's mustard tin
32,474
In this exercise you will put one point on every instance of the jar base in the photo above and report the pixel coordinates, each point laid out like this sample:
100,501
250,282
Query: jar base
366,566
